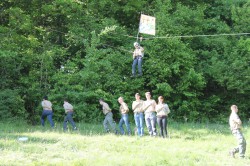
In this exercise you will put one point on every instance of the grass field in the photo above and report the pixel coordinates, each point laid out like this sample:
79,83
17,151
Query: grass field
189,144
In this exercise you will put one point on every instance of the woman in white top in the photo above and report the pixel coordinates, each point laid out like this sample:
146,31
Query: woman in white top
162,110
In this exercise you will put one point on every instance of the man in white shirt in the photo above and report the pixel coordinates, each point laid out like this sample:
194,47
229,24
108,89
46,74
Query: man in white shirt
108,117
124,116
138,114
235,126
47,111
149,111
69,115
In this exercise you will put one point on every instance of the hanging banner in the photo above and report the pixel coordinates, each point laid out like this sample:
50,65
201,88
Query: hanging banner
147,24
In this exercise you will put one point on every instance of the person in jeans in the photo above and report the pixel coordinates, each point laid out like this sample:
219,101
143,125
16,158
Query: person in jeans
149,111
162,110
108,117
235,126
137,59
138,114
124,116
47,111
69,113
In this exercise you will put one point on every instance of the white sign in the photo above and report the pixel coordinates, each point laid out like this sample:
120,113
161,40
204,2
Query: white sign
147,24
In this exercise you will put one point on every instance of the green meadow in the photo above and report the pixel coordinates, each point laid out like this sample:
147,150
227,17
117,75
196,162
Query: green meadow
188,144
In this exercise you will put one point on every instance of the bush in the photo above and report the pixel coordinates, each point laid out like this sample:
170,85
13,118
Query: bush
11,105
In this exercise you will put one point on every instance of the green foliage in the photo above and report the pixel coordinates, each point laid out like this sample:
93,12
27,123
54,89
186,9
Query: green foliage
12,105
81,50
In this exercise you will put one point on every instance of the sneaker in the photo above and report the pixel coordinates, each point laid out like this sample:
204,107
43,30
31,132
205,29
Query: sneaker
231,153
132,76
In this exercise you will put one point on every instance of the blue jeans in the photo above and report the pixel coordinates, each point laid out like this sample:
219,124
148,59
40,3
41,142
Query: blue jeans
162,122
150,119
137,60
48,114
139,123
68,118
124,119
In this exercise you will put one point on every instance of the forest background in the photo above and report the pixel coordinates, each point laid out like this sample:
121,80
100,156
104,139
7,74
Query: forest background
81,50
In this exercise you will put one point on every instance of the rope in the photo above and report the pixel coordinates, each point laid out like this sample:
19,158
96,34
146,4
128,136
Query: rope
157,37
191,36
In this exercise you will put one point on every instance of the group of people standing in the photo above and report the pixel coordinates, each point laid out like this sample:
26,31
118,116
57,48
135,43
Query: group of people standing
152,111
158,112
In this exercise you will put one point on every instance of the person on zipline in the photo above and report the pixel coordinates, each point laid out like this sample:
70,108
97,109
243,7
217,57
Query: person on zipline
137,59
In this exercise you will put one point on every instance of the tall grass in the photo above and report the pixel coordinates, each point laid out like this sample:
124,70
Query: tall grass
188,144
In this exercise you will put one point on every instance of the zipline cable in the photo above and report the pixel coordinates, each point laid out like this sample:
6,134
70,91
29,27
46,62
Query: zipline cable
156,37
191,36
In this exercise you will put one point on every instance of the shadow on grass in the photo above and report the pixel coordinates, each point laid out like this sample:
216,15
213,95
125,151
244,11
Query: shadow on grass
192,131
14,131
30,139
